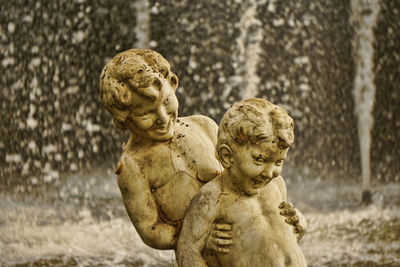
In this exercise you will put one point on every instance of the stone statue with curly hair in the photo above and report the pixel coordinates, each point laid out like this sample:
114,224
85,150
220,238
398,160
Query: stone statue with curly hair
167,159
254,137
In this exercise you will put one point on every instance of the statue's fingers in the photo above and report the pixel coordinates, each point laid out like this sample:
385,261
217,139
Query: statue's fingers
216,248
222,234
298,229
288,212
222,250
224,242
293,220
284,212
289,205
285,205
223,226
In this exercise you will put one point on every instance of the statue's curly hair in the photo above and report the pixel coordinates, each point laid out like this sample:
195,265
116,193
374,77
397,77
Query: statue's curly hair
129,76
254,121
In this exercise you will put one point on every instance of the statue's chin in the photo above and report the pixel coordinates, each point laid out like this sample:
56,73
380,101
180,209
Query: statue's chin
162,136
251,192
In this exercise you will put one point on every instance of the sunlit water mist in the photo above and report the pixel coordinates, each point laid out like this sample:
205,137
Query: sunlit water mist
81,221
340,232
248,50
364,18
142,29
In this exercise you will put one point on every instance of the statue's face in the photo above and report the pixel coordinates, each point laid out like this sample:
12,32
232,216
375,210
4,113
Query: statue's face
255,165
155,120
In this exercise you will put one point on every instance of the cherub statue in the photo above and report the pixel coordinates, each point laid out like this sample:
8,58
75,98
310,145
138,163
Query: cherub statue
253,140
167,159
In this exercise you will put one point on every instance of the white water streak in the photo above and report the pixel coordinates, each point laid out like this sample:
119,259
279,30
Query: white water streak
142,29
249,46
364,18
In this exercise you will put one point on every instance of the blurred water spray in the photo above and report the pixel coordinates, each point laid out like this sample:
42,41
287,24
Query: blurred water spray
249,48
364,18
142,29
81,221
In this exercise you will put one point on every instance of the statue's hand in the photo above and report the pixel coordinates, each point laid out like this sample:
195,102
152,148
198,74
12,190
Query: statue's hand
220,238
289,211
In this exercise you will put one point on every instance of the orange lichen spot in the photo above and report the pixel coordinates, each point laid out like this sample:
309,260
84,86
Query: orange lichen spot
242,137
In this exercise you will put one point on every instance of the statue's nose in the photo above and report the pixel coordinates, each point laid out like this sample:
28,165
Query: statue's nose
162,116
267,173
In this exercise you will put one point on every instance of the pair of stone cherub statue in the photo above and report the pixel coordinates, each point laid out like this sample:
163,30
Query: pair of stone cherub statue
174,188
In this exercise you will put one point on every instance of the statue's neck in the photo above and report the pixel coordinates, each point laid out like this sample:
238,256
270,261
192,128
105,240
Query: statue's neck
137,140
228,185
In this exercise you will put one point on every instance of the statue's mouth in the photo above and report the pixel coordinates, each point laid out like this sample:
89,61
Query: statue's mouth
165,128
257,182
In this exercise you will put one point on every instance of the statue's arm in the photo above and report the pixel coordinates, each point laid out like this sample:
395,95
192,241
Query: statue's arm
142,208
300,224
195,231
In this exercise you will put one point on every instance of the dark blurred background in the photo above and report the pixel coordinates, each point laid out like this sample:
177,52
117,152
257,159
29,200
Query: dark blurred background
58,145
53,51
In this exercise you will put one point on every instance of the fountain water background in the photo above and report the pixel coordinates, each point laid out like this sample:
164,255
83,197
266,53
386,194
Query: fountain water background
81,221
52,53
245,60
364,19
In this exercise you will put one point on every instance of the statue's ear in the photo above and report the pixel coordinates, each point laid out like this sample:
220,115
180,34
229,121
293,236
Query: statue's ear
225,156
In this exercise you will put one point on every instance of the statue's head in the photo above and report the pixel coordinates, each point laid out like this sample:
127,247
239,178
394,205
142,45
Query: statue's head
138,89
253,139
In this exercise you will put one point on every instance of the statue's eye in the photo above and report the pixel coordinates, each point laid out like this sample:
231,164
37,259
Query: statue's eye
279,162
157,83
166,102
164,72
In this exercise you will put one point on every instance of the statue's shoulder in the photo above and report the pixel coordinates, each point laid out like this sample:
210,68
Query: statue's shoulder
201,120
203,123
212,189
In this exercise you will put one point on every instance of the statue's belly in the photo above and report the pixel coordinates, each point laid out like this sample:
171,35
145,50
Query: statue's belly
261,241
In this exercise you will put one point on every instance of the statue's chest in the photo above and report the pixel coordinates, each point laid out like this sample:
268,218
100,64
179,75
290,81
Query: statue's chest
259,212
271,197
159,165
172,177
163,163
240,210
